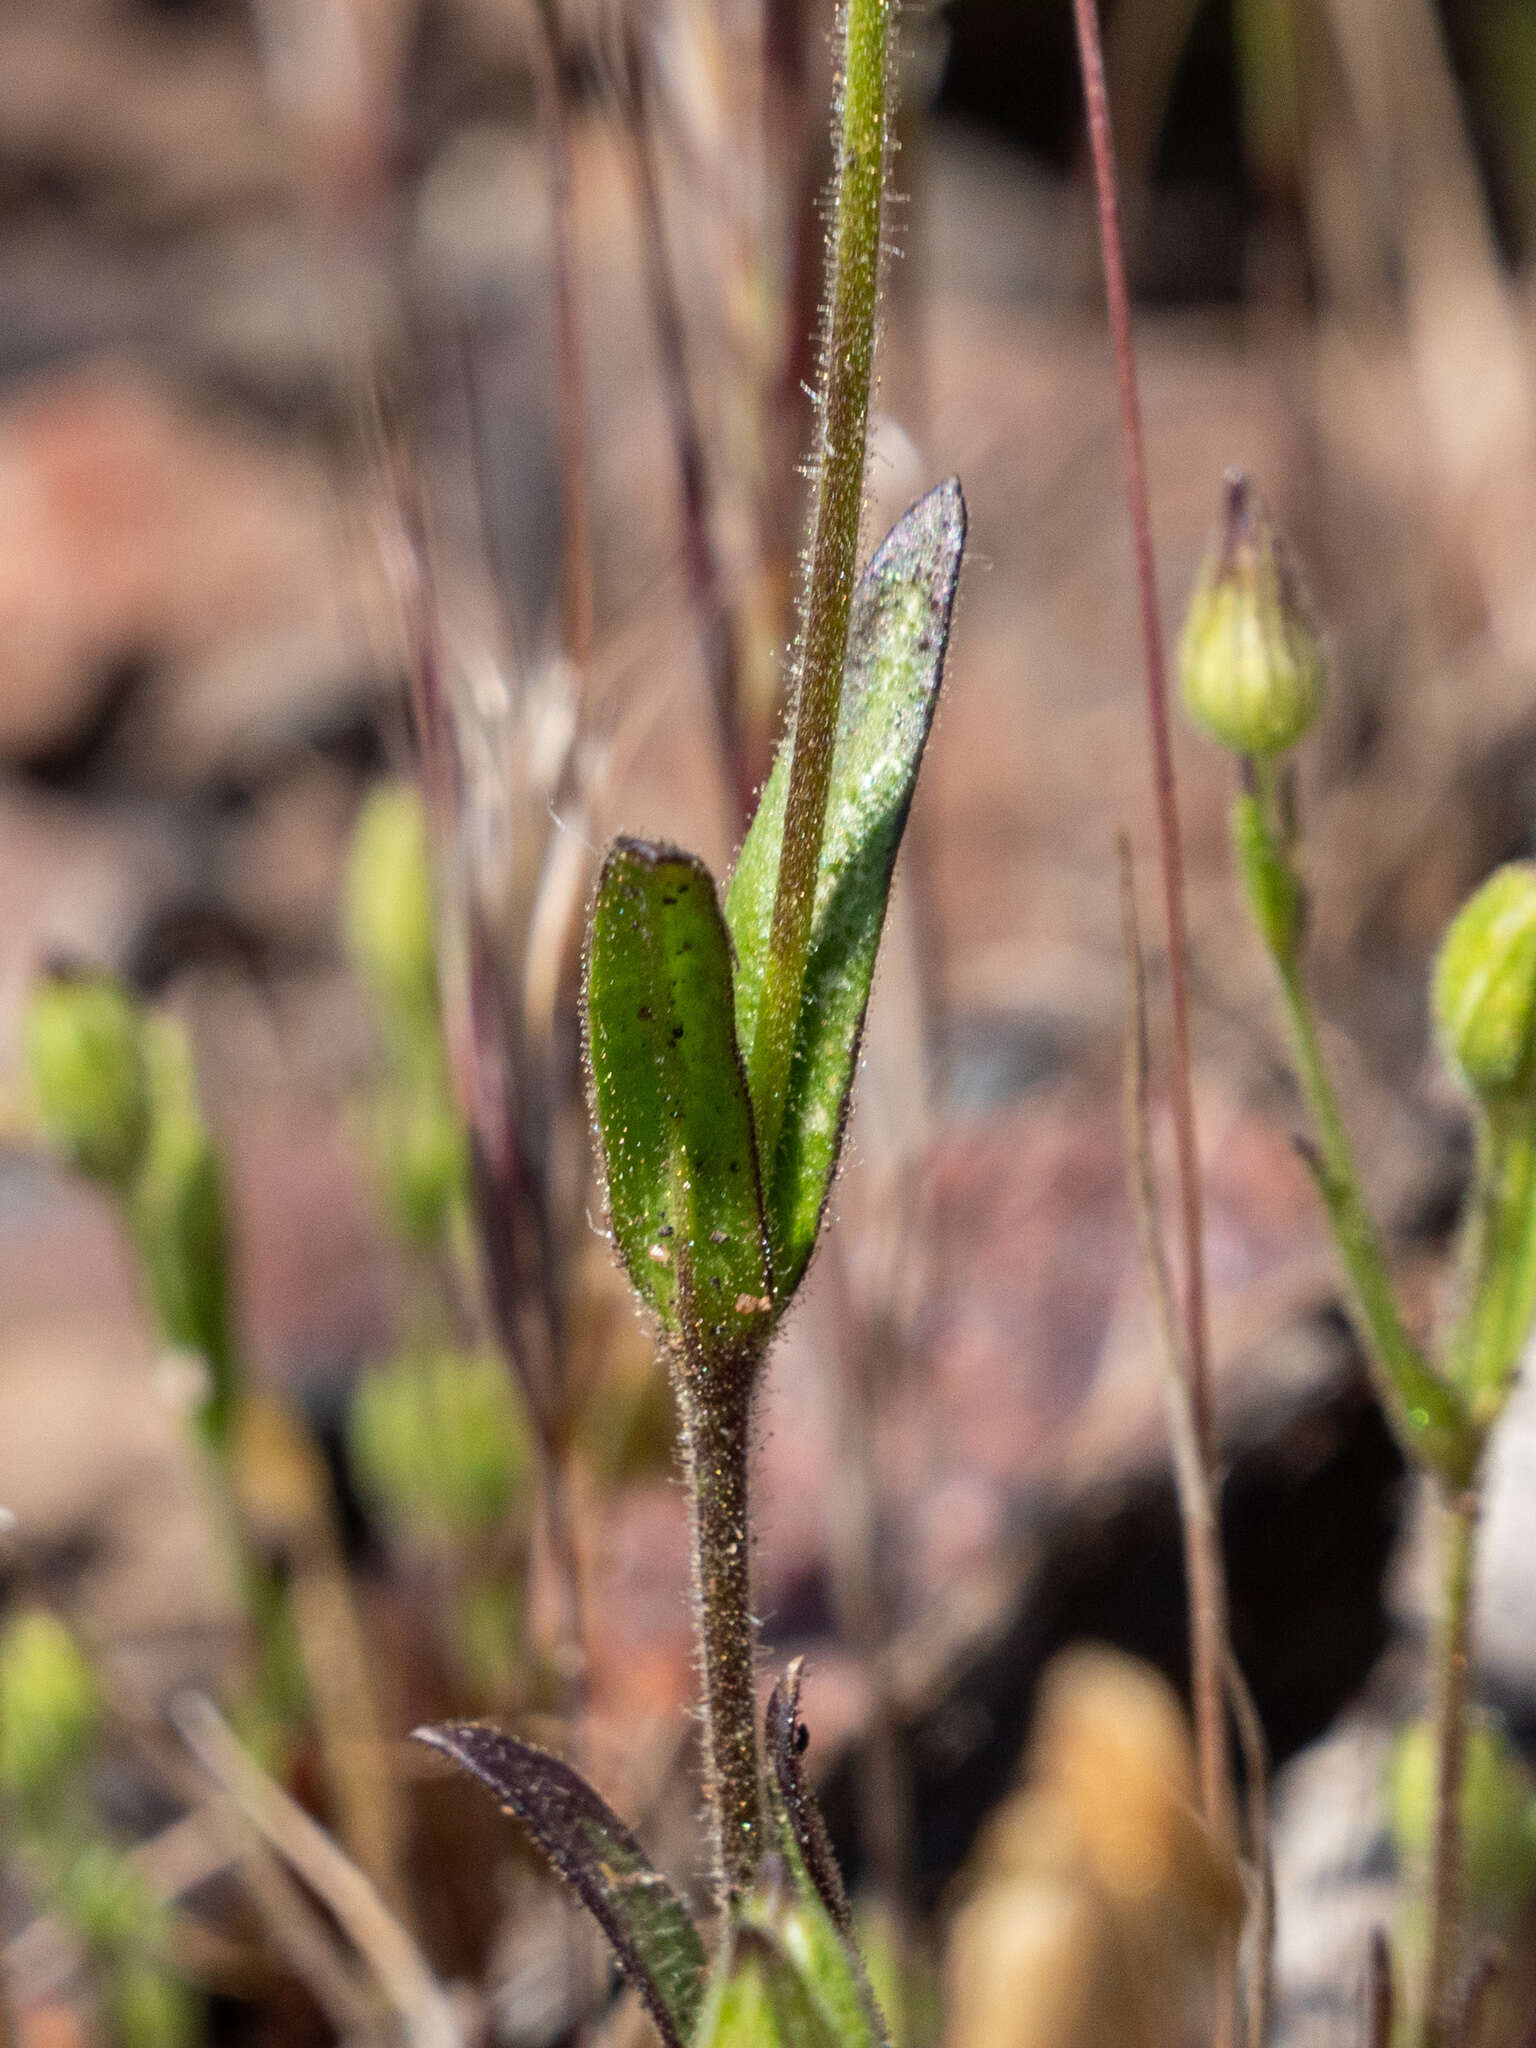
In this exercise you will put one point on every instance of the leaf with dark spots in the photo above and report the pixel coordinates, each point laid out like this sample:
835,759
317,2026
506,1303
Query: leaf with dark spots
656,1942
788,1739
671,1101
897,636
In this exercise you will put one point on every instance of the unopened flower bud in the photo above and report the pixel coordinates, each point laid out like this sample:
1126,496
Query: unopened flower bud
49,1708
1485,986
1250,661
389,910
85,1060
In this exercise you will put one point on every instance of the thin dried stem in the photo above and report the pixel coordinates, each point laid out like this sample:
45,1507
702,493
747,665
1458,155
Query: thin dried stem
1255,1751
1198,1513
578,582
298,1930
1206,1652
1379,2000
1170,842
425,2014
1486,1970
700,562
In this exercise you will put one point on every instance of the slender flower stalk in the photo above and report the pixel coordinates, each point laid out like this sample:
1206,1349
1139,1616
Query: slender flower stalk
1422,1408
1207,1655
1453,1682
847,369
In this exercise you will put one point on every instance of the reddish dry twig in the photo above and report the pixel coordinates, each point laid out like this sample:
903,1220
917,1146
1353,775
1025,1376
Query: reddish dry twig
1208,1655
701,564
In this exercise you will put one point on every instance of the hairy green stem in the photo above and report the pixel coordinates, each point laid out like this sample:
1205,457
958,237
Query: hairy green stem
848,357
1453,1674
716,1430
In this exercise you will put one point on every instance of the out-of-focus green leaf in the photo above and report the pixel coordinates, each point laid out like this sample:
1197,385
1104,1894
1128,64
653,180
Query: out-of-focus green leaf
50,1713
657,1944
671,1100
897,636
178,1212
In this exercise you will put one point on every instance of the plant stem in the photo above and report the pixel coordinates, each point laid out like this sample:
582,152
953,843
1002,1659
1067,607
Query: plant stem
1165,788
578,601
848,357
1378,1992
1206,1646
1426,1414
1498,1277
716,1431
1197,1504
717,628
1453,1677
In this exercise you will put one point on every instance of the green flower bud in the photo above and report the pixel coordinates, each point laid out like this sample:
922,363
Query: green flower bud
49,1710
439,1444
85,1060
389,912
1484,992
1250,661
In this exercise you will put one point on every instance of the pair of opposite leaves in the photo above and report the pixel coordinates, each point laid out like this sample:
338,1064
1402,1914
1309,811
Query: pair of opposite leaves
716,1239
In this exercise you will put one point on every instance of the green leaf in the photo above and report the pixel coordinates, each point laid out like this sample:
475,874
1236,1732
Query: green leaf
897,636
657,1944
813,1924
671,1099
793,1800
758,1999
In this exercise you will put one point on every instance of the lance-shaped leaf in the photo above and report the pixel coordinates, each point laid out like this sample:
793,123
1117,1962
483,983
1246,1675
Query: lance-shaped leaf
897,635
671,1100
794,1801
812,1922
657,1944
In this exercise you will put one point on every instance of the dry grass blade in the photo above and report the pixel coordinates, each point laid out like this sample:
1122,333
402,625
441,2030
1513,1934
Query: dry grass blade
1206,1655
578,594
299,1933
1255,1752
426,2017
1486,1970
1197,1503
700,560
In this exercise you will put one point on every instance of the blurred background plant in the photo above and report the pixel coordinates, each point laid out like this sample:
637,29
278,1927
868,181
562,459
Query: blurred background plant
399,407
